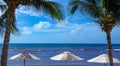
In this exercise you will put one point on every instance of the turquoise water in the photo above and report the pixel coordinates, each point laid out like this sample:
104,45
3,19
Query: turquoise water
45,51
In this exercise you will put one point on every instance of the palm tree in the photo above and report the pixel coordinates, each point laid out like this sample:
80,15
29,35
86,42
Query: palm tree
105,12
8,18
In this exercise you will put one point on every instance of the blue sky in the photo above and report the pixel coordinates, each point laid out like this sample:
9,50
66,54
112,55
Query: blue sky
37,27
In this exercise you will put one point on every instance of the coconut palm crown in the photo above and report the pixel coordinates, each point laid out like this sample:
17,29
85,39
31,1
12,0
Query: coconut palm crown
105,12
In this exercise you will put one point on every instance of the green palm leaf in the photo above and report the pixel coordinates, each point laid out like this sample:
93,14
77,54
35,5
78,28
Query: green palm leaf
3,20
2,7
48,7
85,7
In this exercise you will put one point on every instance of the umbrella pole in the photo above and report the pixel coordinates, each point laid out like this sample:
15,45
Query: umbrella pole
104,64
66,62
24,62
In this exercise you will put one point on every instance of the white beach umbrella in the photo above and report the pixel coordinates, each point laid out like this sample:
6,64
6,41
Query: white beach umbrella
103,58
24,56
66,56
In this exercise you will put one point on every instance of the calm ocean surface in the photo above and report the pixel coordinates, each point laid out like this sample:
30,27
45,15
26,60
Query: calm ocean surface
45,51
62,45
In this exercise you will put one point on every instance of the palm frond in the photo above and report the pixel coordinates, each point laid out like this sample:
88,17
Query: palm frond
73,6
2,7
26,2
102,10
2,22
3,25
14,29
88,8
51,8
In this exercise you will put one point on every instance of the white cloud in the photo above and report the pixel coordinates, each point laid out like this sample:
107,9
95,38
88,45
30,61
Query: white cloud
65,27
27,11
62,23
75,30
83,27
26,30
41,25
32,12
73,27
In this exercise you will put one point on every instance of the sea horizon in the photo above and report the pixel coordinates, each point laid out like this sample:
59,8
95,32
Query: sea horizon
60,45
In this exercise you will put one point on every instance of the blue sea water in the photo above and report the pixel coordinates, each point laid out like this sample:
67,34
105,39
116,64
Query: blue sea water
46,50
59,45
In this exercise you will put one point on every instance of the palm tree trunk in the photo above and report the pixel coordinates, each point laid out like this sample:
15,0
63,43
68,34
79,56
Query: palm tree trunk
5,45
109,48
9,21
7,38
12,5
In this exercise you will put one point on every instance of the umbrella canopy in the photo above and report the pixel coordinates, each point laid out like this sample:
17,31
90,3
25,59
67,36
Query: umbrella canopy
24,56
103,58
66,56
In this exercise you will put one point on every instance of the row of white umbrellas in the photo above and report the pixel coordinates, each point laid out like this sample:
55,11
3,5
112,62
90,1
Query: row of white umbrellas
103,58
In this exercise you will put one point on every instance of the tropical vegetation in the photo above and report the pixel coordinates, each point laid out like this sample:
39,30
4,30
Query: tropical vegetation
7,20
105,12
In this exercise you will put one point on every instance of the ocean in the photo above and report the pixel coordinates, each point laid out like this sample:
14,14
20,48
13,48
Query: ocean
46,50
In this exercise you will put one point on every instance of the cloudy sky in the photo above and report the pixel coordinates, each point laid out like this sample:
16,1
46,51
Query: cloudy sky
37,27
